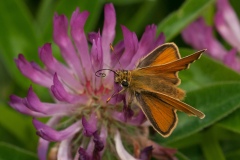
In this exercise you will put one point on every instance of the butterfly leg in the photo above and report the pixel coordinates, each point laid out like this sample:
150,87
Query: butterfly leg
114,94
128,112
129,98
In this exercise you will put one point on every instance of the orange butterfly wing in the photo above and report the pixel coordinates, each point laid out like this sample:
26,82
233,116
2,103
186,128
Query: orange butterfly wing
163,54
170,70
183,63
161,115
161,109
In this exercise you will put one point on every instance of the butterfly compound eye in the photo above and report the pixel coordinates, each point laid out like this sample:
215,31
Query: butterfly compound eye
124,83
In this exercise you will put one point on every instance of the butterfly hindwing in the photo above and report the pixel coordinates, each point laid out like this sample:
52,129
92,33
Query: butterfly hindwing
161,109
181,106
161,115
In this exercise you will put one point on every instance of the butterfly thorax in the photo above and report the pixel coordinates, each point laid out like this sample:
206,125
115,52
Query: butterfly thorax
123,77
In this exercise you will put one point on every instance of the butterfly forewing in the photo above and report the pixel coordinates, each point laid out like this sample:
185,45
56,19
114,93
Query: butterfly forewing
183,63
163,54
175,66
170,70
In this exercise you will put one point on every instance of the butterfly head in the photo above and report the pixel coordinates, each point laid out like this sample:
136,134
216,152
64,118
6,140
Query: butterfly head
123,77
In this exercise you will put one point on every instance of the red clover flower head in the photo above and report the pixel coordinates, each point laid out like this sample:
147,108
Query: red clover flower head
80,121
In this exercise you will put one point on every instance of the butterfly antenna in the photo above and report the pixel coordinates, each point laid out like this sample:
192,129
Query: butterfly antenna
99,73
112,49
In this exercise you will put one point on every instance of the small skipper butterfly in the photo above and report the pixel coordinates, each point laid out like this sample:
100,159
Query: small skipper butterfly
153,85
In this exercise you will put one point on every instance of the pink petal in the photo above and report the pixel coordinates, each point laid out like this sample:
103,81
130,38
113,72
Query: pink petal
160,40
97,60
50,134
90,126
200,36
121,151
232,60
69,54
77,31
103,136
61,94
48,109
145,45
146,153
108,32
98,146
35,74
159,152
131,46
19,104
83,155
90,148
117,98
42,149
229,16
134,120
64,150
117,53
227,23
45,53
138,119
42,143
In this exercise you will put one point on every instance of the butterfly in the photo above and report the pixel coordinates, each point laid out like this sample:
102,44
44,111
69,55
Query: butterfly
153,86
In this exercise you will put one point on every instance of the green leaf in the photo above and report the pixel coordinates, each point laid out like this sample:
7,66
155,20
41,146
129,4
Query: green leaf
235,154
216,101
10,152
230,142
190,146
141,15
9,137
181,156
205,71
18,126
45,16
176,21
94,7
210,146
124,2
193,152
231,122
44,20
235,5
17,36
187,142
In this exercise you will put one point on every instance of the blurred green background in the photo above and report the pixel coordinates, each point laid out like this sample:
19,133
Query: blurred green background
211,87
